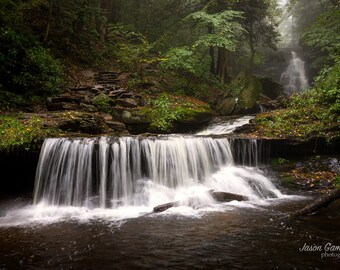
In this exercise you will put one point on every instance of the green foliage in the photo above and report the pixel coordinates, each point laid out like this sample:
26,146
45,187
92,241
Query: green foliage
103,102
40,72
282,161
166,109
132,50
325,93
184,60
9,100
337,181
21,133
25,66
324,34
224,25
162,115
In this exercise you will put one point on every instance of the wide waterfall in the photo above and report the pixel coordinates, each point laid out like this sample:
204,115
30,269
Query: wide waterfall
294,78
113,172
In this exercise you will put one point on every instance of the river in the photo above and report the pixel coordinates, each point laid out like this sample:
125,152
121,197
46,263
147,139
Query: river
92,208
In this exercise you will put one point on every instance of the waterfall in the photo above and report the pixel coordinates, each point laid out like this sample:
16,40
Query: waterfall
111,172
225,127
294,78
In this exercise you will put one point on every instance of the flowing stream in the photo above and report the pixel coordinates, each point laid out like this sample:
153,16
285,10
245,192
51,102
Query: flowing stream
93,200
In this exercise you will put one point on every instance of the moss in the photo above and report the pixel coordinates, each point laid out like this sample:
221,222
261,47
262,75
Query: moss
103,102
163,112
302,124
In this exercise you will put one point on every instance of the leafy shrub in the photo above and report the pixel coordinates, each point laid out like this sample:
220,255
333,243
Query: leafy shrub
183,60
132,50
41,72
325,92
14,132
161,114
26,66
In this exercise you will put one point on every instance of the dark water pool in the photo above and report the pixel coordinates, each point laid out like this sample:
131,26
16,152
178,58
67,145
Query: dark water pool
242,238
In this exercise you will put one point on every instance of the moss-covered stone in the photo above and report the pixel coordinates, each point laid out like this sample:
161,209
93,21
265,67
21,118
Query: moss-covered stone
102,102
227,106
242,97
82,122
250,92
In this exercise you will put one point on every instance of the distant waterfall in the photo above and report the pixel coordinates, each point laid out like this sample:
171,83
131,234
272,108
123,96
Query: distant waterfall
294,78
110,172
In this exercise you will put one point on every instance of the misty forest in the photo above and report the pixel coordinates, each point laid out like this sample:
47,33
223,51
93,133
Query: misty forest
179,134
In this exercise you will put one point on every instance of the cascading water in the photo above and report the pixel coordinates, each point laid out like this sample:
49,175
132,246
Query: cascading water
225,127
113,172
294,78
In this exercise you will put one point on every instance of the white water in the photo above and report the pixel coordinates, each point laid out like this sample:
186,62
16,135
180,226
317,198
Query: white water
294,78
113,179
226,127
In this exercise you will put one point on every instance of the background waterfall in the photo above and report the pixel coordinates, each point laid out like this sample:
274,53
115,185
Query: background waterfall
111,172
294,78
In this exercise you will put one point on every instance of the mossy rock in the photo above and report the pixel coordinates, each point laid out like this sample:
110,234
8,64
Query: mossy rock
83,122
102,102
251,91
227,106
244,90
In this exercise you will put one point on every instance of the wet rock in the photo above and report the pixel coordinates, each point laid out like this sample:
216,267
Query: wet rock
66,97
227,106
195,118
128,117
126,102
250,92
98,87
84,123
115,125
88,108
82,88
245,129
216,195
63,106
248,89
335,165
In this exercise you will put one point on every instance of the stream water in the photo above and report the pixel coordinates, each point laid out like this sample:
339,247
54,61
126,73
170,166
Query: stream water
93,200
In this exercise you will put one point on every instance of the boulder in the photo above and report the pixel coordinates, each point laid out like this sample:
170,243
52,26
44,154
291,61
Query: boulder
227,106
131,117
242,97
126,102
251,92
84,123
218,196
196,118
102,101
63,106
115,125
271,88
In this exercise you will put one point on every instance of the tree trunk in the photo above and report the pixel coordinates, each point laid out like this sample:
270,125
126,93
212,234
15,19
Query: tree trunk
251,62
222,64
252,50
212,53
48,26
316,205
